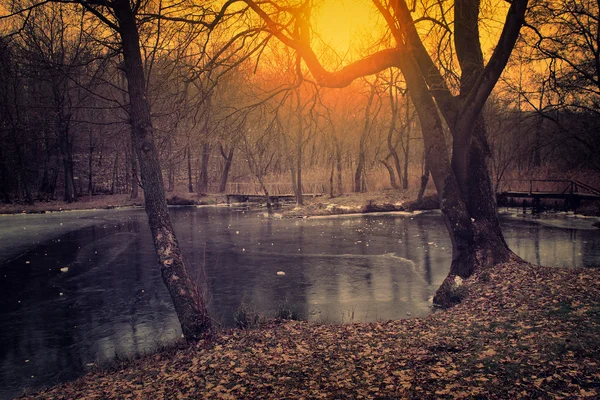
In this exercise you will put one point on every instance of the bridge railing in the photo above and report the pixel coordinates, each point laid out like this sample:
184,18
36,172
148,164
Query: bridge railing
562,186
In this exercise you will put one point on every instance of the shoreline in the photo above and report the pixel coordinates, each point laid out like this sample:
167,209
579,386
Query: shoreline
522,331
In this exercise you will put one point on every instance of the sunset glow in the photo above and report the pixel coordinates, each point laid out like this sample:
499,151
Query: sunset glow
344,25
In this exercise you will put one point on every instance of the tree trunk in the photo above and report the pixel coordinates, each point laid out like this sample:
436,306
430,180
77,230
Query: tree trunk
225,175
299,201
189,169
4,186
338,164
407,128
358,174
299,142
424,181
203,181
90,164
134,173
114,188
391,173
331,191
390,137
189,304
454,209
406,154
67,156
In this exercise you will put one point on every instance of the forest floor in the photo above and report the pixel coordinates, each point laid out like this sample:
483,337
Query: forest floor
522,331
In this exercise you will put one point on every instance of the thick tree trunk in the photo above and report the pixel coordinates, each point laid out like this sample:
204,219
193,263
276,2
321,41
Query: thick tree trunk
454,208
189,304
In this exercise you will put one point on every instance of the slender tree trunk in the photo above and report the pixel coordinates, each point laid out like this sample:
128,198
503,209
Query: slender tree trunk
203,184
391,173
189,169
359,184
4,185
299,155
67,156
114,185
390,142
408,128
406,154
190,307
339,167
424,181
225,175
299,171
90,164
331,174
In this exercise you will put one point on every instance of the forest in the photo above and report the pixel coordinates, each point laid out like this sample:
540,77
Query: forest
234,110
462,100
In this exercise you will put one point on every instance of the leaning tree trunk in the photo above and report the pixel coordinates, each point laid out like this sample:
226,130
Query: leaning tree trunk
190,307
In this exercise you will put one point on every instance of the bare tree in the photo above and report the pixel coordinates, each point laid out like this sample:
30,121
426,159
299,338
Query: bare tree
463,182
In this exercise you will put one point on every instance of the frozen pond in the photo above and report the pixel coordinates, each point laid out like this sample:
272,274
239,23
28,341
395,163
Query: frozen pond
79,288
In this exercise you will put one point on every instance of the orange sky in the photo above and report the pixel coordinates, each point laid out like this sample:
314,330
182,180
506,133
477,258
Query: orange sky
343,24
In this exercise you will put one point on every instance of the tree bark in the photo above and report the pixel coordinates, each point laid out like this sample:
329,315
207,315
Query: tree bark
189,305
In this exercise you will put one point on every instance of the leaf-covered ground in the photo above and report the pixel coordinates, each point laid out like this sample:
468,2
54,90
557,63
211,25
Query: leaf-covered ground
523,332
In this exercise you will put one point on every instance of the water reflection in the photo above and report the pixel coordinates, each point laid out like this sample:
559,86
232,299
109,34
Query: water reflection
84,296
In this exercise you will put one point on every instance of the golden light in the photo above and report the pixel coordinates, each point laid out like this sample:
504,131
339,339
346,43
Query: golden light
344,25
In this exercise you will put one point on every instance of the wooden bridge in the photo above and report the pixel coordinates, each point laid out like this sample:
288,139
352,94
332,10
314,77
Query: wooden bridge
239,192
570,191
